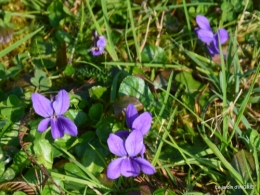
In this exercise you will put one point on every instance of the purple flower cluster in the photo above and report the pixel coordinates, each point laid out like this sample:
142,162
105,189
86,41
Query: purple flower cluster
128,145
52,110
206,35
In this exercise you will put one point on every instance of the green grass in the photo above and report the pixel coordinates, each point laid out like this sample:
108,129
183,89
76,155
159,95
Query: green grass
204,136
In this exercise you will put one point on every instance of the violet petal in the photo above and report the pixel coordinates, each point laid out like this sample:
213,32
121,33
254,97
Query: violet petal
61,103
42,105
143,123
116,145
146,166
129,168
143,151
213,50
134,143
203,22
101,42
131,115
44,124
56,128
123,134
114,168
68,126
205,36
223,35
97,52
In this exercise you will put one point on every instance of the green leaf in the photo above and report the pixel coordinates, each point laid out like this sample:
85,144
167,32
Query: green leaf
63,36
56,13
192,88
13,100
104,128
43,151
160,191
135,86
20,161
255,139
65,142
13,108
69,70
35,82
2,167
8,175
79,117
45,84
74,171
30,175
51,189
2,72
95,112
97,91
153,54
95,164
9,134
228,13
187,79
2,156
83,142
41,80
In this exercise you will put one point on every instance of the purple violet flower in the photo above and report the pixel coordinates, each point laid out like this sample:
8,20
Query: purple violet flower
99,46
140,122
206,35
128,164
52,111
134,121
